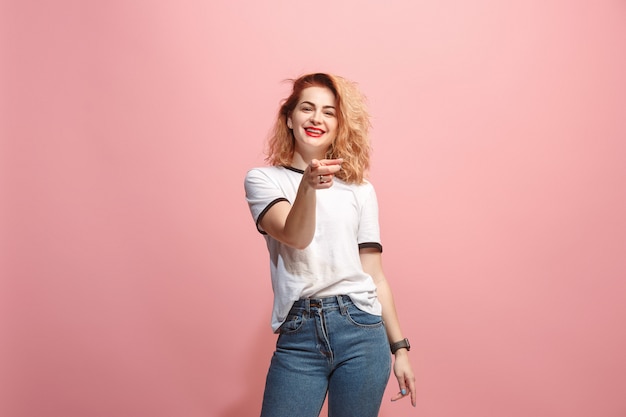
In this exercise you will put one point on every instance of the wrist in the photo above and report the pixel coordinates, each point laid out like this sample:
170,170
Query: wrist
401,353
403,345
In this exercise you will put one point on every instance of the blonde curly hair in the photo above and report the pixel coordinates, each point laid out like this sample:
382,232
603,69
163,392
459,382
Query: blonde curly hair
352,141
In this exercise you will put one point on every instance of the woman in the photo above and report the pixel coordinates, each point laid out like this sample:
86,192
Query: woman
333,308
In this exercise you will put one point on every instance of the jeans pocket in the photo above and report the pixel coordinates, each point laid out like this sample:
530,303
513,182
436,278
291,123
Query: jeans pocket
361,318
292,323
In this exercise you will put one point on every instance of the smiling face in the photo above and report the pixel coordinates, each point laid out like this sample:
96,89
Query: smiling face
314,122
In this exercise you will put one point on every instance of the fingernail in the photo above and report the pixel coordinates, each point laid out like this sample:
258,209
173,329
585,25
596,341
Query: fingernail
403,392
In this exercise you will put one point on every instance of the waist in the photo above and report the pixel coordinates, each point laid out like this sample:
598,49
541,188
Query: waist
336,301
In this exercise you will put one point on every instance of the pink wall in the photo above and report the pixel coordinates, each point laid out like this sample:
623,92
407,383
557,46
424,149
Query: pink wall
133,280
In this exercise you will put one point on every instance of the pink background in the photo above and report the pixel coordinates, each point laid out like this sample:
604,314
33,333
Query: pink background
134,282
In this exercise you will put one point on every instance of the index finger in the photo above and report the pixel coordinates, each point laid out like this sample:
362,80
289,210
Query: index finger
413,393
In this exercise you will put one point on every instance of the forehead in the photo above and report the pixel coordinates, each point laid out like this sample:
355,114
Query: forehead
321,96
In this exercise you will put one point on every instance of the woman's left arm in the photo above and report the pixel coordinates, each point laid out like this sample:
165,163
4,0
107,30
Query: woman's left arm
371,259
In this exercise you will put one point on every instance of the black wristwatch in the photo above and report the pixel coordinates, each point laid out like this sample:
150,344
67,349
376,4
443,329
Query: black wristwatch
404,343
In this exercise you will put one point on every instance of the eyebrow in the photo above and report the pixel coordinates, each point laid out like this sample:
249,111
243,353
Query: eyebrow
312,104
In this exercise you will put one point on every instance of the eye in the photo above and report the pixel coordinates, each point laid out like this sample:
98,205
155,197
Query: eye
307,109
329,113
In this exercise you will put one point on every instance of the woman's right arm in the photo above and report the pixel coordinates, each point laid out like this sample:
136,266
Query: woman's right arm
294,225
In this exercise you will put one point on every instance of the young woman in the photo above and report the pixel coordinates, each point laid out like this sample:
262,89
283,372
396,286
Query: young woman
333,308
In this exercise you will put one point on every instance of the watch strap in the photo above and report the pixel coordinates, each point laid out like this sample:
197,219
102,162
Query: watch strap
404,343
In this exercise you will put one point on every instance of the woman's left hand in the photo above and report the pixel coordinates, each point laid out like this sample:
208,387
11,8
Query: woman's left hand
406,379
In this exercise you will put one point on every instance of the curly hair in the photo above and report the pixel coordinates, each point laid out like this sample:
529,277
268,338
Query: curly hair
352,141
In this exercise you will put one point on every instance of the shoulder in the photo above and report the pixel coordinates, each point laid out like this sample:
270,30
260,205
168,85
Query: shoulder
364,193
272,177
364,188
263,173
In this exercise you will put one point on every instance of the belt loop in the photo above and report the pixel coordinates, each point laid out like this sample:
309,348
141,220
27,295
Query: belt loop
342,307
307,307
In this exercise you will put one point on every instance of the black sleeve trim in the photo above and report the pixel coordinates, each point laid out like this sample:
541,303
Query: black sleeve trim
374,245
269,206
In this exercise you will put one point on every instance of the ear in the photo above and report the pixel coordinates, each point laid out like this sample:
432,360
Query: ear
289,123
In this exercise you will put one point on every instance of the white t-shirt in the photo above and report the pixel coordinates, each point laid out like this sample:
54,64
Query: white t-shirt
346,220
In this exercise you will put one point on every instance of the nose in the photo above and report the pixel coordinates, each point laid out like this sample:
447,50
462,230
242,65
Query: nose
316,117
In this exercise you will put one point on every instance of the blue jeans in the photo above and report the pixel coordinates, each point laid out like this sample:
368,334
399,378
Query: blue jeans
328,346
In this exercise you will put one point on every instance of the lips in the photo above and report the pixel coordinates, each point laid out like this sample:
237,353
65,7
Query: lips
312,131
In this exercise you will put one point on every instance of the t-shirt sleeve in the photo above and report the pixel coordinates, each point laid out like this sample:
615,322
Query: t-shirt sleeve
261,194
369,229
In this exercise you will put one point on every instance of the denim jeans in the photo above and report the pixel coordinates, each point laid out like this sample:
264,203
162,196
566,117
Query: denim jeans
328,346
